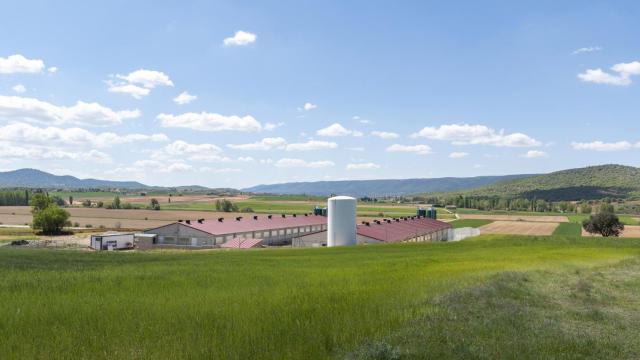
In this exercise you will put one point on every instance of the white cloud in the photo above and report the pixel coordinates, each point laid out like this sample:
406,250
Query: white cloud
603,146
210,122
466,134
19,88
178,166
262,145
139,83
312,145
184,98
240,38
458,155
246,159
356,148
219,170
587,50
385,134
337,130
147,78
271,126
297,163
29,109
26,133
308,106
533,154
363,166
623,78
196,152
418,149
17,63
10,151
135,91
52,69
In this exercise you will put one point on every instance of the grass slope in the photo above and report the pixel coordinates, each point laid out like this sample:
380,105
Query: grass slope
474,223
590,313
273,304
568,229
592,182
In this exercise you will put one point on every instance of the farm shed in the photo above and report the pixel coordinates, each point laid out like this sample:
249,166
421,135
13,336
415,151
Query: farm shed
115,241
206,233
405,229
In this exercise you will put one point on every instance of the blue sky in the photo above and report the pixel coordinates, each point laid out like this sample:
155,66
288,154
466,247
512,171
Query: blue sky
276,91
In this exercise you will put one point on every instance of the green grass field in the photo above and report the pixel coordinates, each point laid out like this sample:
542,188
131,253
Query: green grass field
474,223
568,229
288,303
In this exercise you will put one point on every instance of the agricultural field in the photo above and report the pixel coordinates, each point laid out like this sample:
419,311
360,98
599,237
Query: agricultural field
474,223
519,227
423,300
568,229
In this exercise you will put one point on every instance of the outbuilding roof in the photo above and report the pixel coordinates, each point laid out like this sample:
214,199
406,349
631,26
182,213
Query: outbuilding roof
241,224
396,230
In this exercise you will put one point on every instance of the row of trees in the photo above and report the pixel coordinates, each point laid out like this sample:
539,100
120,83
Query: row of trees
154,204
14,198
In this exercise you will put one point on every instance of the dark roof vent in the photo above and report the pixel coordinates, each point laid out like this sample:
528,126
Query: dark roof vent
238,218
294,215
188,222
306,214
367,223
397,220
220,219
270,216
255,217
200,221
283,215
179,220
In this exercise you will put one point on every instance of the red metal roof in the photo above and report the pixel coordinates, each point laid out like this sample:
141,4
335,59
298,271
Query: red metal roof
247,224
242,243
401,230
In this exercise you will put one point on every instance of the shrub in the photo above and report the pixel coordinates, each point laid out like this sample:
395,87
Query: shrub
154,204
226,206
88,226
100,204
51,220
76,224
86,203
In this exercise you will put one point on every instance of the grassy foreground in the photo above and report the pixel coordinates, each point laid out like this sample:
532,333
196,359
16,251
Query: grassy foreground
285,303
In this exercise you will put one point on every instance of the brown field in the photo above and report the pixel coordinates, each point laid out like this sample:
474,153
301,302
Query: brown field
519,228
529,218
630,231
127,219
163,199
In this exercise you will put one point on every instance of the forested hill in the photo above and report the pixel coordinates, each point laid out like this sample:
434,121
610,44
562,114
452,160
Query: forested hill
589,183
374,188
32,178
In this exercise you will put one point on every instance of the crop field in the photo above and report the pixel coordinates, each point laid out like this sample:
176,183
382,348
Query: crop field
519,228
357,302
568,229
474,223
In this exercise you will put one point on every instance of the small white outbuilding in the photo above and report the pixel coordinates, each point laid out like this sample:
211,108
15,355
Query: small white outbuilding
111,241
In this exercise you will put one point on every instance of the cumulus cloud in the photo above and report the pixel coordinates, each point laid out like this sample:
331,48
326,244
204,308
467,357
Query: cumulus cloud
16,64
17,151
533,154
184,98
587,49
337,130
19,88
93,114
418,149
240,38
138,83
622,77
272,126
299,163
182,150
385,134
458,155
604,146
52,69
213,122
262,145
26,133
363,166
465,134
307,106
312,145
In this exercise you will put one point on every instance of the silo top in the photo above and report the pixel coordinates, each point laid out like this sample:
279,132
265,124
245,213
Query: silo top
341,198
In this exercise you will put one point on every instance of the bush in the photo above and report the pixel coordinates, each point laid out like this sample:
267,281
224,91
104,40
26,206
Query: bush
88,226
100,204
154,204
604,223
86,203
51,220
76,224
226,206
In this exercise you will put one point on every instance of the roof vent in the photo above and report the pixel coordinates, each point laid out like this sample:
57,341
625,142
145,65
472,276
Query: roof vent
179,220
367,223
220,219
388,221
397,220
306,214
270,216
200,221
283,215
255,217
188,222
238,218
294,215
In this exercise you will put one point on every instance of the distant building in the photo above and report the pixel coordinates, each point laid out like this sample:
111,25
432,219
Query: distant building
112,241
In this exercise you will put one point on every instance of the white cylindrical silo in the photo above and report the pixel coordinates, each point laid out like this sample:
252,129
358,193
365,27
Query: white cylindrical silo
341,228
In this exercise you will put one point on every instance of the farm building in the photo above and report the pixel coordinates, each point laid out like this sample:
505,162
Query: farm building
204,233
113,241
405,229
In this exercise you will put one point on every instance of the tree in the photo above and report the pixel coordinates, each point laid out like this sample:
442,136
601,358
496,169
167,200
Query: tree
606,208
100,204
604,223
70,200
154,204
226,206
116,202
39,202
86,203
50,219
57,200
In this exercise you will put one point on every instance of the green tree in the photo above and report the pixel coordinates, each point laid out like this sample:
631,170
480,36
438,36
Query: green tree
51,220
154,204
226,206
39,202
604,223
116,202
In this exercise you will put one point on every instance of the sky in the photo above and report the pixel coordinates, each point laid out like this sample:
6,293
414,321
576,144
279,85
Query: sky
240,93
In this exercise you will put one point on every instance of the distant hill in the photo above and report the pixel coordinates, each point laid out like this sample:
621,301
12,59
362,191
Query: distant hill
589,183
32,178
362,188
